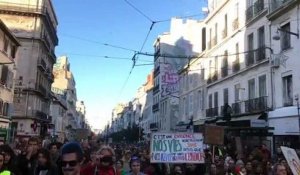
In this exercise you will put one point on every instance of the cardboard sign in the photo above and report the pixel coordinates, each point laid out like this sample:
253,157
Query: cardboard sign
177,148
214,135
292,159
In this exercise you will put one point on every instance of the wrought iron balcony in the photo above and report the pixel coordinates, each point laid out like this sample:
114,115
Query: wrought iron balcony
235,24
260,54
254,10
42,115
42,65
236,108
288,102
224,71
212,112
156,89
156,71
256,105
236,65
155,107
249,58
278,7
209,112
153,126
214,76
216,111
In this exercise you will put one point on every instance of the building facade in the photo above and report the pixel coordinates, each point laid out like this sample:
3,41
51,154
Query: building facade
172,51
65,81
58,109
34,24
8,52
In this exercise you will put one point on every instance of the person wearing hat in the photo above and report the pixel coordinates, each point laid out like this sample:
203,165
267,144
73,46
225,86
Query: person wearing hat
71,158
135,166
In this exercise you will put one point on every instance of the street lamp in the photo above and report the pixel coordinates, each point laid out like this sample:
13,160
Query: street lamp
277,36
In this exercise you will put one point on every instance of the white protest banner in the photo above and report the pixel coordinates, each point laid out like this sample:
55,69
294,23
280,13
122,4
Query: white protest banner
177,148
292,159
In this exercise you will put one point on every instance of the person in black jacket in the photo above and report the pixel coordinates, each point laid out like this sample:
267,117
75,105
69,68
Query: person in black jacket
44,164
10,159
28,159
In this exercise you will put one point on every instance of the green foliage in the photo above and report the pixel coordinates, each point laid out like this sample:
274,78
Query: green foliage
129,135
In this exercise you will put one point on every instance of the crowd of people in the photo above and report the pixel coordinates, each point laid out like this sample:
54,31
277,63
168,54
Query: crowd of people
31,157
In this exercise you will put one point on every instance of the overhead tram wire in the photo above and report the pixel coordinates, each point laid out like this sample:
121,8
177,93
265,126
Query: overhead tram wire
97,42
106,57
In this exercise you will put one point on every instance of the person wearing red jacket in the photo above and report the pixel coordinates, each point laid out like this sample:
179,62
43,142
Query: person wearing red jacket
102,163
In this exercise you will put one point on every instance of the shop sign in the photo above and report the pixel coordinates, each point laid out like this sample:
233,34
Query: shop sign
258,123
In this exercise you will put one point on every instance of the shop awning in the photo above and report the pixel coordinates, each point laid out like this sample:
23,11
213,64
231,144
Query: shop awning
199,122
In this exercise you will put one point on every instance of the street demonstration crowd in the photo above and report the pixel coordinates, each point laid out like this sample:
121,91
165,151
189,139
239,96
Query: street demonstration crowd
31,157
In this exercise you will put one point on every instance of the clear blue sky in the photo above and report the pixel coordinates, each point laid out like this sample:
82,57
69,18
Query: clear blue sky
99,80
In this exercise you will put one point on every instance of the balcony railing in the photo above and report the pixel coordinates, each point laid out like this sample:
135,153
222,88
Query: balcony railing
209,112
156,71
42,65
235,24
153,126
256,105
236,108
216,111
155,107
42,115
280,4
224,71
236,65
260,54
156,89
212,112
288,102
250,58
254,10
214,76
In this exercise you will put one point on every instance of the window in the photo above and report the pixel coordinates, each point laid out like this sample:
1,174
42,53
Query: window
236,63
191,98
200,100
262,86
237,88
288,90
5,48
216,99
186,106
261,37
251,89
285,38
250,55
225,96
210,101
13,51
216,34
225,64
225,26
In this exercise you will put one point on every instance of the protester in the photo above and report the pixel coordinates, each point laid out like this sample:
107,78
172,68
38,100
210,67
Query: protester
135,166
103,163
280,169
119,167
72,155
10,160
3,171
45,165
27,159
54,151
